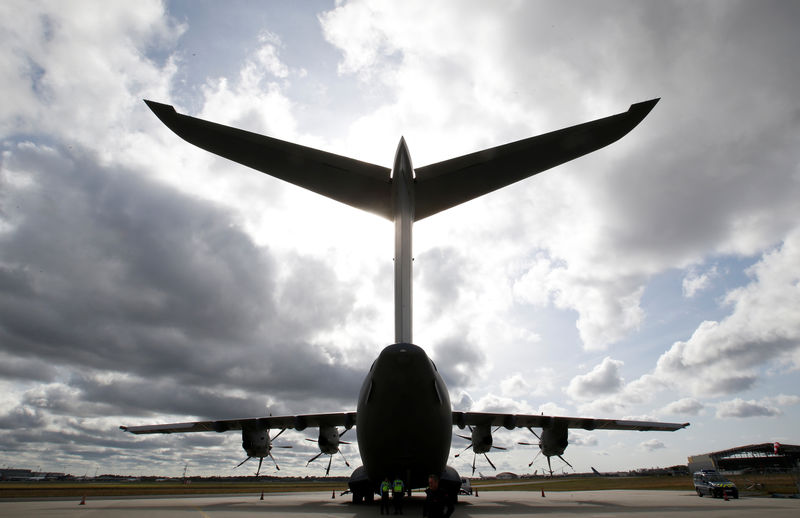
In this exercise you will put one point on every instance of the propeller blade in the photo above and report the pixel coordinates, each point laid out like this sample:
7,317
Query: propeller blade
315,457
499,448
344,442
344,432
549,467
534,458
343,457
490,462
273,460
465,437
465,449
260,460
473,462
330,461
534,433
245,460
311,440
283,446
279,434
565,461
527,444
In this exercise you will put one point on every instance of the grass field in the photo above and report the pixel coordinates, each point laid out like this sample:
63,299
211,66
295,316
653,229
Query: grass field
768,484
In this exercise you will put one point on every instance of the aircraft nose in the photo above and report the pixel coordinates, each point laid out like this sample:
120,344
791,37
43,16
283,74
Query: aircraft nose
397,355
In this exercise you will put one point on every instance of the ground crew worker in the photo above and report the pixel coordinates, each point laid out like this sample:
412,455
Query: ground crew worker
438,503
398,488
385,488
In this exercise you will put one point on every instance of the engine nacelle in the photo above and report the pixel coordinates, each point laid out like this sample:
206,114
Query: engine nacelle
481,439
554,440
328,439
255,441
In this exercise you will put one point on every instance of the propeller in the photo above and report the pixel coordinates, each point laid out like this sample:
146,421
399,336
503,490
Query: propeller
330,459
269,454
549,466
475,453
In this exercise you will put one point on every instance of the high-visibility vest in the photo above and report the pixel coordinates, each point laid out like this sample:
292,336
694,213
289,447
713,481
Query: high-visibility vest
385,487
398,486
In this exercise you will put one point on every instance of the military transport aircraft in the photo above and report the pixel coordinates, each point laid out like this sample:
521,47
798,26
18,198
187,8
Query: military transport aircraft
404,420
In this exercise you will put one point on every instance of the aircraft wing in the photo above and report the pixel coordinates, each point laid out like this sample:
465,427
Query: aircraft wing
511,421
359,184
297,422
446,184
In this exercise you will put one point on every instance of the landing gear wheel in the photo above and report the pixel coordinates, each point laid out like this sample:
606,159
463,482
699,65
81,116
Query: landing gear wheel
699,493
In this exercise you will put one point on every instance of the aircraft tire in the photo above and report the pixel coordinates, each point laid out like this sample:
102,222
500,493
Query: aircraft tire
699,493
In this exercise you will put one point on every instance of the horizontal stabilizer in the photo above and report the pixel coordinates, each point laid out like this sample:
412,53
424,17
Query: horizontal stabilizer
446,184
437,187
358,184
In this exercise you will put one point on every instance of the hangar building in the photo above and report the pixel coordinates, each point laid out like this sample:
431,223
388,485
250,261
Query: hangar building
768,456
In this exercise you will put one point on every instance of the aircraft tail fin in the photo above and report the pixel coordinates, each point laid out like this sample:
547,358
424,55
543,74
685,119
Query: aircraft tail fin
449,183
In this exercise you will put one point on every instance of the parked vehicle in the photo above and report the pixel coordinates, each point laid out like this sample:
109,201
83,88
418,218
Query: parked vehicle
712,483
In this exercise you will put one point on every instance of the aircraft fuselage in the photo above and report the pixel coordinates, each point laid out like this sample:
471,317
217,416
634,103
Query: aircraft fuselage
404,420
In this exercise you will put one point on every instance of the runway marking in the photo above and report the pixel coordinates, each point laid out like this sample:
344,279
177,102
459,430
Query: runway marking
202,513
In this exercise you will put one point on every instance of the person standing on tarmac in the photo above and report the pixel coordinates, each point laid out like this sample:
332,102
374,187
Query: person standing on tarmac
438,503
398,488
385,488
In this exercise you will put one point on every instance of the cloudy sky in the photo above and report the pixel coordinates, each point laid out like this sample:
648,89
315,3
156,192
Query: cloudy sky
144,280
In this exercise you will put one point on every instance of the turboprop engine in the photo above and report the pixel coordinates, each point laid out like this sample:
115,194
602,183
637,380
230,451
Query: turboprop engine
328,442
258,444
552,442
481,443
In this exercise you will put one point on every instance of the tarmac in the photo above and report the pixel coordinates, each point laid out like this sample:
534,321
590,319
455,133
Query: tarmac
489,504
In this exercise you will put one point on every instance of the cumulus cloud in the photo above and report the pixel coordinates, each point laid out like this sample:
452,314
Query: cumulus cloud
603,379
119,271
741,408
766,407
764,326
695,282
440,277
458,360
652,445
45,68
582,439
687,406
611,224
515,386
551,408
501,404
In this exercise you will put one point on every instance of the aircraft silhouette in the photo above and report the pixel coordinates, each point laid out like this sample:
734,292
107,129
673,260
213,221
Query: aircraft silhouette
404,420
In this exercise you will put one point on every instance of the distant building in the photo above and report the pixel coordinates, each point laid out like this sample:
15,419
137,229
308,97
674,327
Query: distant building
15,474
507,475
767,456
